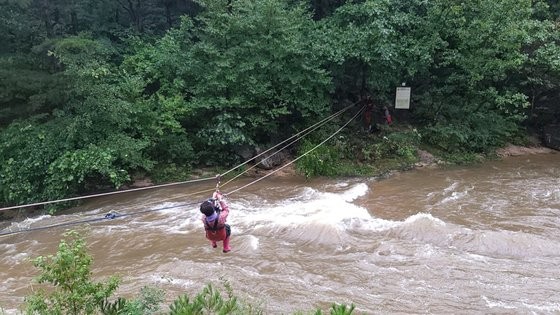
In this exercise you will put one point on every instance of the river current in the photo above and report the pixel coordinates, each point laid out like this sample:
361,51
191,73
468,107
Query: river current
482,239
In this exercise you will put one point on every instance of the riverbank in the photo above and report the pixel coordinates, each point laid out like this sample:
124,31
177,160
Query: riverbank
425,160
382,169
515,150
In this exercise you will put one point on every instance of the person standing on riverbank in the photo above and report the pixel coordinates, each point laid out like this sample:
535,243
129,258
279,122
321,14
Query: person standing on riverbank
387,116
215,212
369,125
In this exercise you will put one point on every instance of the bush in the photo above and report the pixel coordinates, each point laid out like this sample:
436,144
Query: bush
209,301
163,173
478,133
148,303
73,291
68,271
322,161
400,144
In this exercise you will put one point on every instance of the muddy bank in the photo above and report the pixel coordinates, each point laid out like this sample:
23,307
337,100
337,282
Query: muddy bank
515,150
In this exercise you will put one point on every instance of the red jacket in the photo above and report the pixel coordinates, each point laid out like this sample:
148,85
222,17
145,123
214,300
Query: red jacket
215,231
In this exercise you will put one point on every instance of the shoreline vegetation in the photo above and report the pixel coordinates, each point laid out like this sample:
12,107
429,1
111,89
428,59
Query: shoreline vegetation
98,96
425,160
390,165
422,159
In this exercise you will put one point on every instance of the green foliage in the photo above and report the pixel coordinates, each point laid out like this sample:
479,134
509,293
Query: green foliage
476,133
209,301
18,32
148,303
113,308
26,150
169,172
68,271
26,88
73,291
246,76
342,309
540,76
469,84
105,131
336,309
73,167
92,93
401,144
375,45
351,154
323,160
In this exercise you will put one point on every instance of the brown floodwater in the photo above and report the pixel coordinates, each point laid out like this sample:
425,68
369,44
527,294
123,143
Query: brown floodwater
481,239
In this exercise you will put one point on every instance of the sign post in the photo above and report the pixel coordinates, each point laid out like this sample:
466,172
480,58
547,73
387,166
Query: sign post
402,98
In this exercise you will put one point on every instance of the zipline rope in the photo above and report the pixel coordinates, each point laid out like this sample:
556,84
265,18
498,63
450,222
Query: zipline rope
304,133
182,182
112,215
181,196
109,216
104,194
297,135
299,157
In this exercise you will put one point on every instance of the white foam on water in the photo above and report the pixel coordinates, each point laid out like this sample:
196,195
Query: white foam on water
26,224
311,215
500,304
421,216
11,256
322,213
424,228
181,283
8,248
451,187
547,307
455,195
254,242
311,206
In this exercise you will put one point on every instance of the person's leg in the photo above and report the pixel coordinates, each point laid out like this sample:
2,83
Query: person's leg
226,240
211,239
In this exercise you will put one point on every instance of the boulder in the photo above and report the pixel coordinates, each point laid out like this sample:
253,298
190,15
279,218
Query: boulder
245,152
272,159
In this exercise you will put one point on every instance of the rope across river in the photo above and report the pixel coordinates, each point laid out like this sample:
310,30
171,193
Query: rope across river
113,215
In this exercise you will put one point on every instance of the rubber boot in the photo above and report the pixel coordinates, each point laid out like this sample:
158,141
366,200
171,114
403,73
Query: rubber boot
214,244
226,245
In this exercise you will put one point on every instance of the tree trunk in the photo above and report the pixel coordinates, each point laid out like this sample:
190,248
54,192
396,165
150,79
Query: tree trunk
45,15
74,21
168,14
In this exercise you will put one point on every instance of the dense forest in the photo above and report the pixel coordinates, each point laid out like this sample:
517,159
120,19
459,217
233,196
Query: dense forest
93,93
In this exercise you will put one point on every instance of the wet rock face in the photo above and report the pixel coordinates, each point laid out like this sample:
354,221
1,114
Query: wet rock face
552,136
270,159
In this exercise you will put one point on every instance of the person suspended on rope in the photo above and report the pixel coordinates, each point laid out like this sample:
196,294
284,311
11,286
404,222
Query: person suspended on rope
215,212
